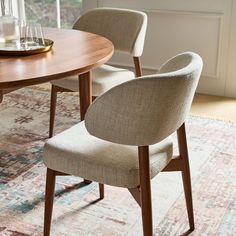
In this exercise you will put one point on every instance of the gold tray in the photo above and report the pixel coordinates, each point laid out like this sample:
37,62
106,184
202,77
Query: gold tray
10,51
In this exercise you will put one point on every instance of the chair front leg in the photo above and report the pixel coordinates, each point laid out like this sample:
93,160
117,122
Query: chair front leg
145,187
49,197
183,150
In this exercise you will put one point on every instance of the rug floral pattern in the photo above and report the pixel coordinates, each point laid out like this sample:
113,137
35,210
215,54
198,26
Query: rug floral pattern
24,116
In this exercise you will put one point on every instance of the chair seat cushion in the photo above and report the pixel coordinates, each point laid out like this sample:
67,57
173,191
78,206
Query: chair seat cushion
78,153
103,78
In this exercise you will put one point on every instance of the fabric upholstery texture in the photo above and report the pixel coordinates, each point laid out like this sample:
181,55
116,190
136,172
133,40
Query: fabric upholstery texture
76,152
104,78
146,110
126,29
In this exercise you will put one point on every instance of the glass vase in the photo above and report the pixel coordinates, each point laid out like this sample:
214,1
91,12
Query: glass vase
9,28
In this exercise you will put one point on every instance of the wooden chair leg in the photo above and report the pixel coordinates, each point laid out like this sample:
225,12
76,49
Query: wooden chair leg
145,186
101,191
183,149
52,109
188,196
137,66
49,197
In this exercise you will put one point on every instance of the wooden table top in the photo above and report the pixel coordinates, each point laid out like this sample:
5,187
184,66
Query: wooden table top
73,52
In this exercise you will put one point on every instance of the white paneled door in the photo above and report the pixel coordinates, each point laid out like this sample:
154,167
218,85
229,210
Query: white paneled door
205,27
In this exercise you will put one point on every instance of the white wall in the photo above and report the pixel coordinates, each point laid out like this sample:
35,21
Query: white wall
207,27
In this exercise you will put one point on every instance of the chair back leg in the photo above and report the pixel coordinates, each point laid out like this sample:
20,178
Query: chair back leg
183,150
137,66
145,187
49,197
101,191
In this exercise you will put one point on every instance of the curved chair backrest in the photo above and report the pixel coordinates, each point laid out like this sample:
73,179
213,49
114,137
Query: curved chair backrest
125,28
145,111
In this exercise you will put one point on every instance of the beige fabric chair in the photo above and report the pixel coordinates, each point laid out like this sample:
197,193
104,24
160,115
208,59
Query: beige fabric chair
124,140
126,29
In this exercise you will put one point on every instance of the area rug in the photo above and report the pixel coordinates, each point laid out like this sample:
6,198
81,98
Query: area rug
24,118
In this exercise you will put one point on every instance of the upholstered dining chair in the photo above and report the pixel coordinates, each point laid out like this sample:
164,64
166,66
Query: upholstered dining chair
125,140
126,29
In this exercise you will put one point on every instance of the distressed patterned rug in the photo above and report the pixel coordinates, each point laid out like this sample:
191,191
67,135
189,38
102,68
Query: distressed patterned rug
24,118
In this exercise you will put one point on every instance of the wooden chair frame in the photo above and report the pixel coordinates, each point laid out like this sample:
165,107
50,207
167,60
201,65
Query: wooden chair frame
142,194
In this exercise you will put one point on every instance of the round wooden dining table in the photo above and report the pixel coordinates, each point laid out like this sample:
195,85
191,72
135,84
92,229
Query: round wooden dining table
73,52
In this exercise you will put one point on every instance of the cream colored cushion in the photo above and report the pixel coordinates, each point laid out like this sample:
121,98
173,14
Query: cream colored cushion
76,152
103,78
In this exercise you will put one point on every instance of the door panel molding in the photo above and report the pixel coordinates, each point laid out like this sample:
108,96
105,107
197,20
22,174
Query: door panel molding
209,32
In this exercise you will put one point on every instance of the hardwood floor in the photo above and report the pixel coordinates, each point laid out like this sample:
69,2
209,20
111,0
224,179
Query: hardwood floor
215,107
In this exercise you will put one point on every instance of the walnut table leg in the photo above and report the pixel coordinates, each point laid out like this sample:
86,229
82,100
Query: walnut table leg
85,95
